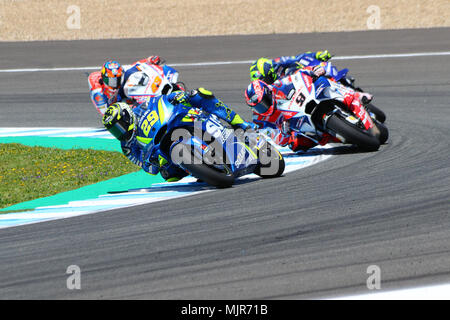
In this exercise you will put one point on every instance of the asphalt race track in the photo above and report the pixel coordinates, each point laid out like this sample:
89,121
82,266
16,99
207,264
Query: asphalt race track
310,234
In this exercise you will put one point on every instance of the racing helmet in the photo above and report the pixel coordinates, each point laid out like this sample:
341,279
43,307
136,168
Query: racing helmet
120,121
259,97
262,69
112,74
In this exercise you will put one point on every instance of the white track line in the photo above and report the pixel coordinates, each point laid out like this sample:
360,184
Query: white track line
200,64
157,192
394,55
434,292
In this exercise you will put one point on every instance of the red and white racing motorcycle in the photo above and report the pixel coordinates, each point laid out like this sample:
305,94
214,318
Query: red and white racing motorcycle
151,81
316,108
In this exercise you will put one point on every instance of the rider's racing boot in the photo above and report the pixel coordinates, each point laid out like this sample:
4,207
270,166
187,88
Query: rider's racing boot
300,143
328,138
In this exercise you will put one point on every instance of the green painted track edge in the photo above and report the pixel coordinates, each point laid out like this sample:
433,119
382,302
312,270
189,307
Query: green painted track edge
134,180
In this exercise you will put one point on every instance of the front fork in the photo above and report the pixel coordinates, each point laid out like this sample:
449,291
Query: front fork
358,109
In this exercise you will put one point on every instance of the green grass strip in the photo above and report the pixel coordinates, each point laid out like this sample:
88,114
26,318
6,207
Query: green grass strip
28,172
24,173
135,180
66,143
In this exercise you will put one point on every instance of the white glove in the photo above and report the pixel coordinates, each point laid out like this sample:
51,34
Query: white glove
285,127
319,71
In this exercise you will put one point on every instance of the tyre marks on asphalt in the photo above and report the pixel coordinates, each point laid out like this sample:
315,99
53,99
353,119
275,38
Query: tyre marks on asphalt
134,196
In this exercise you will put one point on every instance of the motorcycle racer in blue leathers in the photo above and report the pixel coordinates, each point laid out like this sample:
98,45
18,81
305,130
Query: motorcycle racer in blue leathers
124,123
270,70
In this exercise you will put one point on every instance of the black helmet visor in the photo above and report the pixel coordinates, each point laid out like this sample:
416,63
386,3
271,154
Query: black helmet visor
266,102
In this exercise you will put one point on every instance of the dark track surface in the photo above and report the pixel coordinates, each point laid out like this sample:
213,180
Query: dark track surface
310,234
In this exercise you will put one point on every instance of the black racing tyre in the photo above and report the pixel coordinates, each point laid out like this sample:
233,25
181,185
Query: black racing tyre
205,173
353,134
379,115
273,165
210,176
384,132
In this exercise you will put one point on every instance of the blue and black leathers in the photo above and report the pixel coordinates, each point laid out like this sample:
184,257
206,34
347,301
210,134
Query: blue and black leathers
270,70
285,62
135,149
287,65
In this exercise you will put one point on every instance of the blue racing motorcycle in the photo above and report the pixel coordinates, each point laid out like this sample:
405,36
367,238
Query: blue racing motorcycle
201,145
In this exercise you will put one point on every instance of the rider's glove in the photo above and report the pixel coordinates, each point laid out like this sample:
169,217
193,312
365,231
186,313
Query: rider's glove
154,60
298,65
180,97
285,127
323,55
319,71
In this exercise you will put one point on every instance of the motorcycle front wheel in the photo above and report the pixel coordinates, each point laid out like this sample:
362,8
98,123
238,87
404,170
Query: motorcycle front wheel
202,171
353,134
379,115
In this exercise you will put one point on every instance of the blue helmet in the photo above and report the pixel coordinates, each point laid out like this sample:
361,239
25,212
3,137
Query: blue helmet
259,97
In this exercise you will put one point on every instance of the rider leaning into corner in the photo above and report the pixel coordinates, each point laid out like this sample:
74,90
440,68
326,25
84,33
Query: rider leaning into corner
270,70
262,99
107,85
125,124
